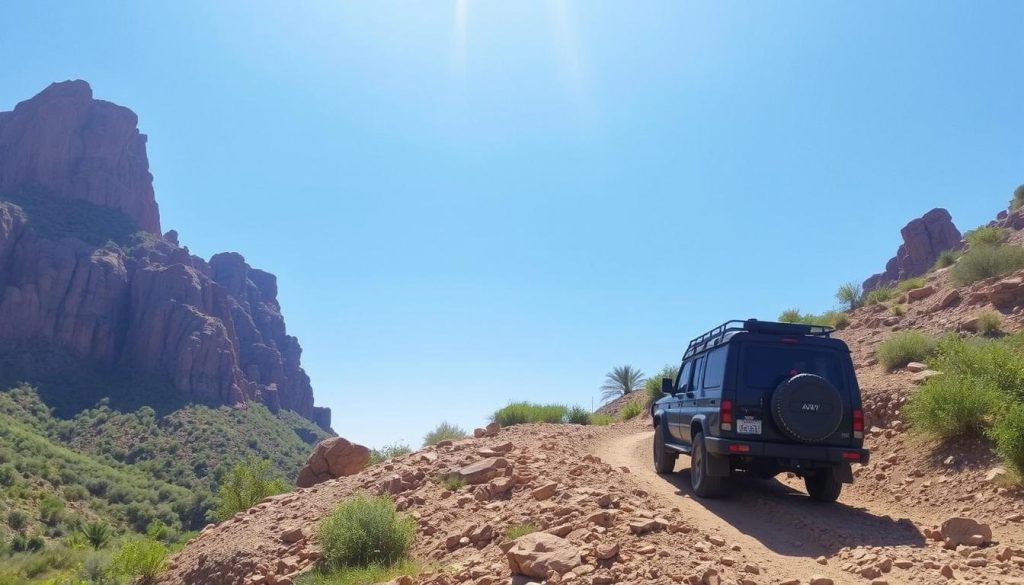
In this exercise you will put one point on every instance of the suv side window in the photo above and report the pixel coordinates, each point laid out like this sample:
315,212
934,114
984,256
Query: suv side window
684,378
698,368
714,371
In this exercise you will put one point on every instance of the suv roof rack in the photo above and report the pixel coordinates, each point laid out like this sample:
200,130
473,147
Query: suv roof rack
718,334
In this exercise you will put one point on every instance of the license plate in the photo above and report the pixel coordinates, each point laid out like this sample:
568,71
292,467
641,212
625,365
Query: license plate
748,427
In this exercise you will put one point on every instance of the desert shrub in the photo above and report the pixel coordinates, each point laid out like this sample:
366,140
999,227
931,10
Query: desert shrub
946,258
517,413
247,483
365,531
951,405
904,347
96,569
138,557
790,316
75,493
8,474
17,520
601,420
899,310
516,530
389,451
986,236
444,432
879,295
910,284
989,322
631,410
452,482
577,415
1018,198
981,262
849,294
653,384
51,510
1008,435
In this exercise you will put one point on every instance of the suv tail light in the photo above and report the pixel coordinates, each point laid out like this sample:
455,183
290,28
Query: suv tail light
858,424
725,415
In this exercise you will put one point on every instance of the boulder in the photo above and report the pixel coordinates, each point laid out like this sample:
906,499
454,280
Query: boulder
484,470
538,554
333,458
964,531
916,294
924,239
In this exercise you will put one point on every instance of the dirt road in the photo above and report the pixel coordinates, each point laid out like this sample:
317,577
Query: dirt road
774,520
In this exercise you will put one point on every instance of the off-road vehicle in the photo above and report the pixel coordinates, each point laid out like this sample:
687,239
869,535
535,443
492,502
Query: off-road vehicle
764,398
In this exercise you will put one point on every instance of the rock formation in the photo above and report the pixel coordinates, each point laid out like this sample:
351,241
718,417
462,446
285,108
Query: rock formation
65,144
73,172
923,240
333,458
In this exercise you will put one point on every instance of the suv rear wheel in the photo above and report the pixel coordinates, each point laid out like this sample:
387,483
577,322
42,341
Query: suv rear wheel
823,485
704,485
664,459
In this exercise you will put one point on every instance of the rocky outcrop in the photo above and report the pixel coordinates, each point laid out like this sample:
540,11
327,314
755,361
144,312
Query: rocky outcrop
63,143
212,330
333,458
923,240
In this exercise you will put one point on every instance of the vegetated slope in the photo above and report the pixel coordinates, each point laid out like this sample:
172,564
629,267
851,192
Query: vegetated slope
131,469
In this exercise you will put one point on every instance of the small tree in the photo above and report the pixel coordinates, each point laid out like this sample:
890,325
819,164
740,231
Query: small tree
849,294
246,484
621,381
1018,198
97,534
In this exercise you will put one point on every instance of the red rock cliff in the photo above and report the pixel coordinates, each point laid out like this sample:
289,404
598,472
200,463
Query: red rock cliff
74,277
924,239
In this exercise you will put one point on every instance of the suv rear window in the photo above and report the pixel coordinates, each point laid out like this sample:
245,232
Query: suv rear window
767,366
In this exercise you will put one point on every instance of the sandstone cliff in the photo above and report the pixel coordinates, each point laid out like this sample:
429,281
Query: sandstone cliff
83,269
924,239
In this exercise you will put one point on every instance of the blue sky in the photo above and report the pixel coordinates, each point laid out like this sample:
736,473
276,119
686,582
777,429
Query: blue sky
478,201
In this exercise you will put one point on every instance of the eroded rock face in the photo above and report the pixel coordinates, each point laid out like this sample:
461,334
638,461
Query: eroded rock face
214,330
923,240
64,143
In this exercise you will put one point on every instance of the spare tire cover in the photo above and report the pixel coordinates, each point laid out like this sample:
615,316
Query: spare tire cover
807,408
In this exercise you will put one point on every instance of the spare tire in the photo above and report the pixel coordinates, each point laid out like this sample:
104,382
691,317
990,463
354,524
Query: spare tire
807,408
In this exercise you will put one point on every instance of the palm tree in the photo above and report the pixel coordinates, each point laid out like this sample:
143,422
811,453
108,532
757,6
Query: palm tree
621,381
97,533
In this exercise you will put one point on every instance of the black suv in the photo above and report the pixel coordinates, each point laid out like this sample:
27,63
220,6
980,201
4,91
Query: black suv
765,398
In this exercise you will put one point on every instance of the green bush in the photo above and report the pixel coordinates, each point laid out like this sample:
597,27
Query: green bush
1018,198
389,451
879,295
516,530
986,236
444,432
910,284
248,482
904,347
981,262
631,410
601,420
946,258
899,310
96,569
361,575
577,415
989,323
790,316
835,319
951,405
17,520
1008,434
653,384
8,475
517,413
51,509
365,531
138,557
849,294
452,482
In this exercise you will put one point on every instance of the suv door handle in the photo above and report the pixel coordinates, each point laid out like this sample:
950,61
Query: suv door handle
689,394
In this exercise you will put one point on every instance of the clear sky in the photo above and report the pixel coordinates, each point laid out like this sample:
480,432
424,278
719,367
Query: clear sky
472,202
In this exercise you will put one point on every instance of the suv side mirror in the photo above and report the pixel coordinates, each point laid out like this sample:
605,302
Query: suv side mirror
667,385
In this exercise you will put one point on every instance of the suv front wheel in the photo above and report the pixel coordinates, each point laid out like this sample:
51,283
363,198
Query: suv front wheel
704,485
664,459
823,485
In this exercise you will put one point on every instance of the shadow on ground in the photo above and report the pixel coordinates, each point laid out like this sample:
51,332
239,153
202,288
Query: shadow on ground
789,523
